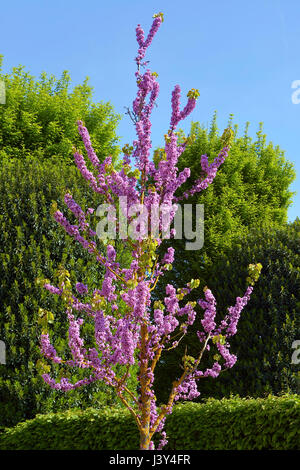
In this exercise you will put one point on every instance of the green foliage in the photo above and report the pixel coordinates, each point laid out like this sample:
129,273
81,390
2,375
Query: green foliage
271,423
250,191
37,133
236,424
104,429
271,321
268,326
39,117
33,245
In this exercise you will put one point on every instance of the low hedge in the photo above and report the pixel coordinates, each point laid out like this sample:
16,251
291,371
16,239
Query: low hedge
227,424
271,423
90,429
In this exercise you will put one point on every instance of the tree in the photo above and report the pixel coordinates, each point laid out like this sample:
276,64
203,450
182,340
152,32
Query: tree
133,333
39,116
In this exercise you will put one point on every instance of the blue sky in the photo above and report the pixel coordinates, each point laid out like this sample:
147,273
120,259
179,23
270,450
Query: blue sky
242,56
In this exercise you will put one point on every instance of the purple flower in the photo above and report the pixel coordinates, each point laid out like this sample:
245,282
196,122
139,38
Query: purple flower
81,288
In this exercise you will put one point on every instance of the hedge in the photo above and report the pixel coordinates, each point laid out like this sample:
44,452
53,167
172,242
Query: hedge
271,423
268,325
34,245
227,424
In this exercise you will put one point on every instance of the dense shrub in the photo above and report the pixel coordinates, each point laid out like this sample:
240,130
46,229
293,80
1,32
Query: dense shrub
267,327
251,191
33,245
90,429
235,423
37,132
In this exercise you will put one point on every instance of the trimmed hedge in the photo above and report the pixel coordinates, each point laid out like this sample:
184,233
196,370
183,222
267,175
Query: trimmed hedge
272,423
268,326
227,424
91,429
32,244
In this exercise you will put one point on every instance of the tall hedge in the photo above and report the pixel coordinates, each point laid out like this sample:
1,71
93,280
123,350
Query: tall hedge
34,245
37,132
269,324
251,191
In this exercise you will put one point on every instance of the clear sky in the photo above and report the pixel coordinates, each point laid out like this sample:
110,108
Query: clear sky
242,56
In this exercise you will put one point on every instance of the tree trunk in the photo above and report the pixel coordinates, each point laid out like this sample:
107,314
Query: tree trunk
145,389
144,440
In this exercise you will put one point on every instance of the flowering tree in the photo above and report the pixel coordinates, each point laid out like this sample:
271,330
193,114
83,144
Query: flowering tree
128,325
